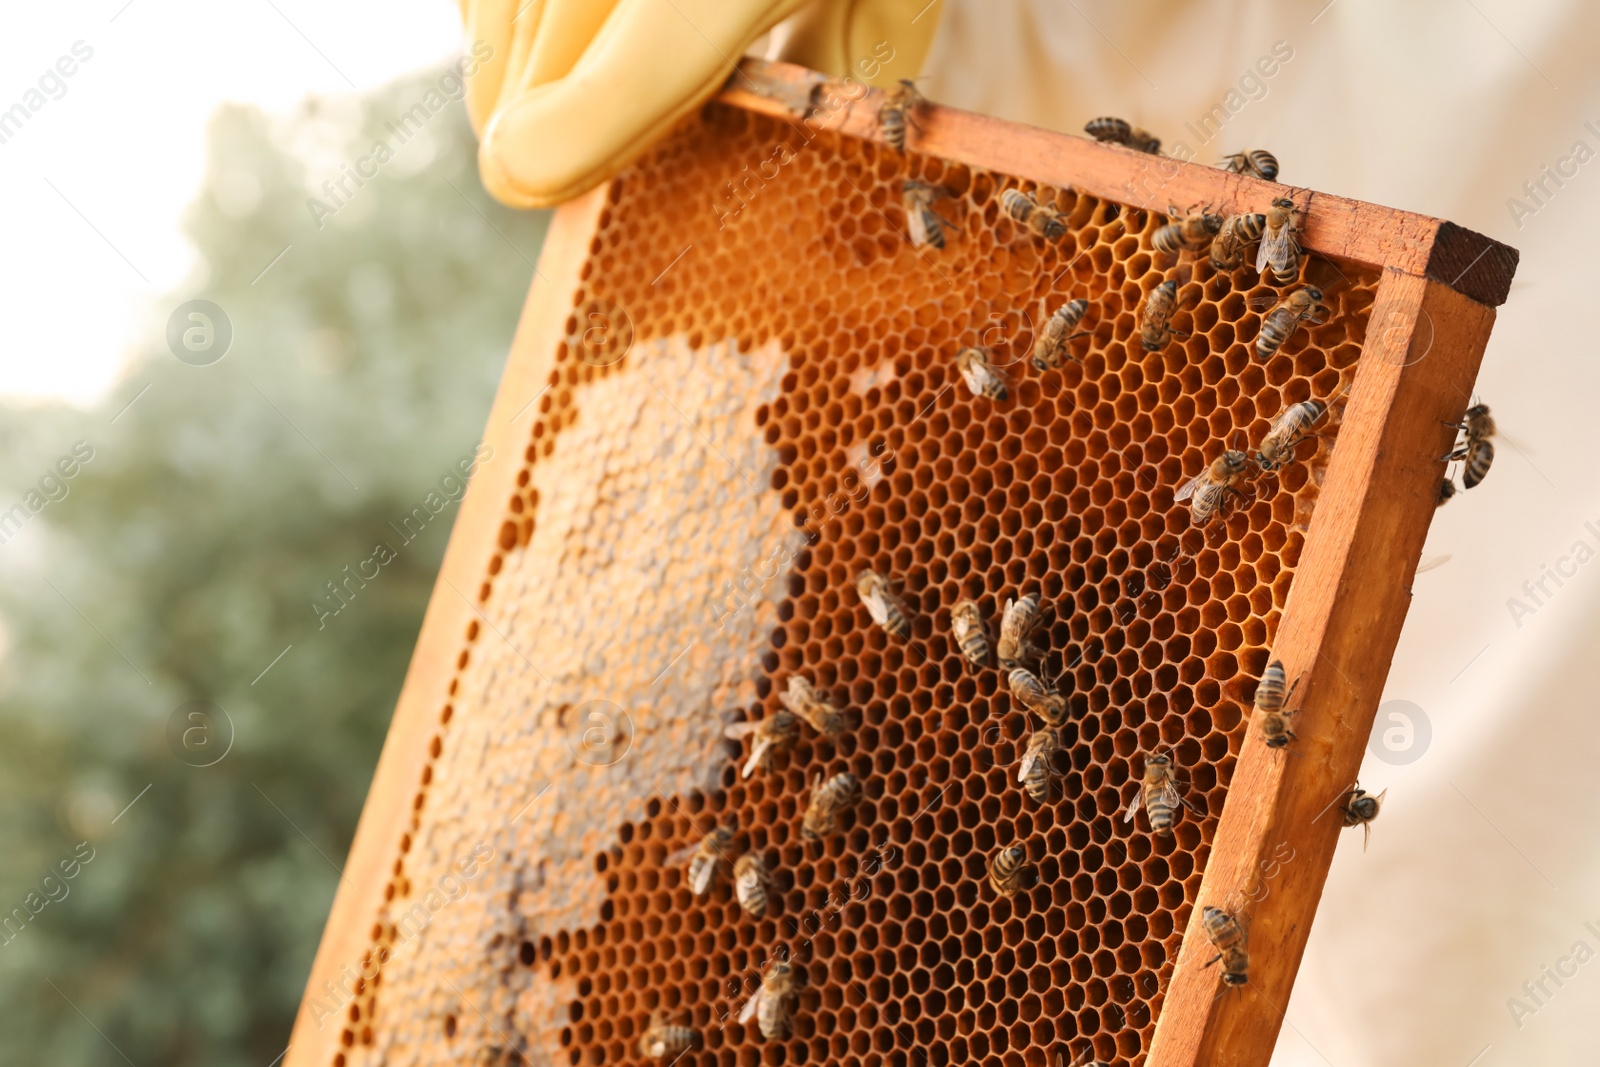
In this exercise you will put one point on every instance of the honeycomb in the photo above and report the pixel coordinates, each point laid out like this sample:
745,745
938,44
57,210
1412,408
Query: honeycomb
756,398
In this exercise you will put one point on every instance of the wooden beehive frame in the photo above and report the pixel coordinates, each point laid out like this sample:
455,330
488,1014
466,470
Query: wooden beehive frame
1429,324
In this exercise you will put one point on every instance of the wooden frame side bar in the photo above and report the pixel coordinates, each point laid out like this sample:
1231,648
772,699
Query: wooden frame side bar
1281,823
451,608
1333,226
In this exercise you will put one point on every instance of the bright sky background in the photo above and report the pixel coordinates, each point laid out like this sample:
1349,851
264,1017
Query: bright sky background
123,150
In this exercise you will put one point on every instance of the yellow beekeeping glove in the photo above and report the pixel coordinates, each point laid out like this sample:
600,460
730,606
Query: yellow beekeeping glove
568,92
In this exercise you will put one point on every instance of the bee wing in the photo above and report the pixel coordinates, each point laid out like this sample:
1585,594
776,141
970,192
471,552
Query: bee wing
1431,562
758,751
1029,759
700,876
1133,805
961,626
1276,244
748,1012
1186,490
1170,794
1264,252
917,224
877,606
976,375
738,730
681,856
749,873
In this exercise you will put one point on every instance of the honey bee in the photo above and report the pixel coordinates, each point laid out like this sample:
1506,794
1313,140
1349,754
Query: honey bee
1006,870
496,1056
1159,795
1037,772
1214,486
1271,696
662,1039
1034,695
1191,233
751,884
1228,937
1017,623
772,735
804,701
967,624
1050,349
829,800
1279,255
1475,450
1271,690
1023,209
1285,318
1108,130
1288,430
1258,163
1360,808
706,858
1446,491
925,225
886,609
896,113
1155,326
1237,233
772,1004
980,375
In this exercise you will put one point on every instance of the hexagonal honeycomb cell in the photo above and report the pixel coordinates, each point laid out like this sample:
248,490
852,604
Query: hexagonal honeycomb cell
756,399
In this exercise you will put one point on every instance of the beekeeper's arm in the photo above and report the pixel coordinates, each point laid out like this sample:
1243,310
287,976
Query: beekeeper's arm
568,92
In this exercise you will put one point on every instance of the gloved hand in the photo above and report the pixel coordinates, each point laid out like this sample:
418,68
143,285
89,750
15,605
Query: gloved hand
572,91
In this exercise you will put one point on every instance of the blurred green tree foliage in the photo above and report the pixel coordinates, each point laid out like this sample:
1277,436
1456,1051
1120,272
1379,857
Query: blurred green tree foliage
185,557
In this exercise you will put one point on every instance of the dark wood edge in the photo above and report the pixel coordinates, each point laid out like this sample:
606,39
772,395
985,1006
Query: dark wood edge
1472,264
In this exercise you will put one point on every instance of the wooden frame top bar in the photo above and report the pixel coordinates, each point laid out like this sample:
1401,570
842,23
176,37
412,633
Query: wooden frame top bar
1476,266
